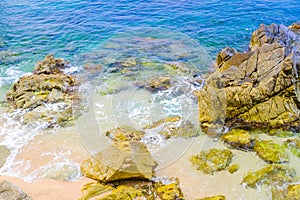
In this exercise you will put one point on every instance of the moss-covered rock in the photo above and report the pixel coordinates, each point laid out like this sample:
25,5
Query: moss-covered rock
47,95
233,168
219,197
270,151
212,160
270,175
130,160
133,189
238,138
294,146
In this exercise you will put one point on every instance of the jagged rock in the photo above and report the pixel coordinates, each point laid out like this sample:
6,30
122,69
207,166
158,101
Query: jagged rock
156,84
4,153
271,174
125,133
238,138
9,191
219,197
128,160
51,65
132,189
48,94
294,146
233,168
270,151
259,87
291,192
212,160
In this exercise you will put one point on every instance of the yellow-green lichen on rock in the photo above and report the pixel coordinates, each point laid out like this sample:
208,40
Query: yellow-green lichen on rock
238,138
169,191
219,197
272,174
125,133
270,152
213,160
233,168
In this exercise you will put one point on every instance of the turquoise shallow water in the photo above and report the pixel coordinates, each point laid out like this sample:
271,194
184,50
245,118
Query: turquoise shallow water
30,29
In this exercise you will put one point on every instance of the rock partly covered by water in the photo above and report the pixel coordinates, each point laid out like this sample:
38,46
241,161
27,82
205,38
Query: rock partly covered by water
4,153
239,139
270,175
9,191
213,160
128,190
258,87
292,192
125,160
47,95
219,197
270,151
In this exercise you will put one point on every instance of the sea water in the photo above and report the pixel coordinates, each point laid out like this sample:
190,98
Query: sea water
88,31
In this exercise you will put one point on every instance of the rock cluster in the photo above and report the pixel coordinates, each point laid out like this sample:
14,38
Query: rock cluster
259,87
46,95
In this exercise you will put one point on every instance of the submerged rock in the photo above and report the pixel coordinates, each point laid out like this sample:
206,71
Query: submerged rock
233,168
4,153
130,160
259,87
294,146
47,95
270,175
131,189
173,127
219,197
238,138
9,191
270,151
292,192
125,133
212,160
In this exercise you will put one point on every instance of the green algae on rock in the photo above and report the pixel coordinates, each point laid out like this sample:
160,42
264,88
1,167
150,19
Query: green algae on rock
270,151
133,189
272,174
219,197
238,139
213,160
233,168
47,95
127,160
294,146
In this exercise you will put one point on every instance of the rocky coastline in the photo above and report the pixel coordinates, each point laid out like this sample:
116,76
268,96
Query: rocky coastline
248,94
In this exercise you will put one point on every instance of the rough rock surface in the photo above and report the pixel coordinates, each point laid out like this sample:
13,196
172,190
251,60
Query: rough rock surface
271,152
125,133
270,175
133,190
238,138
219,197
294,146
292,192
258,87
212,160
127,160
9,191
48,94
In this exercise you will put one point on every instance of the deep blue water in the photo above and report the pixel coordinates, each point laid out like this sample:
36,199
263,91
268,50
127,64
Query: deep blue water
30,29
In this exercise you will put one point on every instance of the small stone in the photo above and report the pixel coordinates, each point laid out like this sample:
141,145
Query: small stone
212,160
270,151
238,138
125,133
233,168
169,191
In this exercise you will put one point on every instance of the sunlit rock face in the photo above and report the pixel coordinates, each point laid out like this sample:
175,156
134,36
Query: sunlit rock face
48,95
258,87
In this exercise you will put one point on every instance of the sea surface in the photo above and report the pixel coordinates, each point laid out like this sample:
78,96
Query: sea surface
189,32
31,29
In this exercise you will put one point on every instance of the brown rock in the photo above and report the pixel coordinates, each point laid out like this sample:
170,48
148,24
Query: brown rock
257,87
51,65
127,161
9,191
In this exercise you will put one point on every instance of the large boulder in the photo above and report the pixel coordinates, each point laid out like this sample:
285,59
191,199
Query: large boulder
259,87
127,160
46,95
